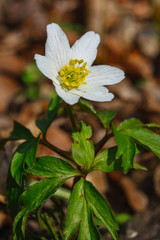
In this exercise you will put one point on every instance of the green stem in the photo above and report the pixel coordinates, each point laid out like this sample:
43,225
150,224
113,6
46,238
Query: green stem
63,193
61,152
76,179
70,113
50,227
101,143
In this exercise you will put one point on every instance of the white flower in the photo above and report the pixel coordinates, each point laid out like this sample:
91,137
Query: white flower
71,70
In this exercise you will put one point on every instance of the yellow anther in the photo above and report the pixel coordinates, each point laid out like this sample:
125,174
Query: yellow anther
63,78
73,75
80,61
62,73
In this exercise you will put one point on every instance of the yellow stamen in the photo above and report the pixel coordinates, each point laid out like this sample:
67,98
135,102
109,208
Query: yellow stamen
73,75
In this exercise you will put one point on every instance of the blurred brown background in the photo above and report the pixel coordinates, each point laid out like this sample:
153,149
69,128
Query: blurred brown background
130,34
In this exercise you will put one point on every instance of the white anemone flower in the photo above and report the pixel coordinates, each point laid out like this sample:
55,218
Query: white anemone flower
71,70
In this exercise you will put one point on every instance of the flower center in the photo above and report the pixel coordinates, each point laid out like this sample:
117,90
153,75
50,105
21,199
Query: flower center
73,75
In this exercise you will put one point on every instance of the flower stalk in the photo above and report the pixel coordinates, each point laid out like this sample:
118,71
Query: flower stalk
61,152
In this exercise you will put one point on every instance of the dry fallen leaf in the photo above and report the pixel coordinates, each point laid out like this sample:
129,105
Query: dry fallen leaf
8,89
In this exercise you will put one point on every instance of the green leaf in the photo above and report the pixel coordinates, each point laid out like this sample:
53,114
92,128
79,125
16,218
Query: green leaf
30,155
31,74
19,225
63,193
39,192
145,137
88,230
137,166
50,166
32,92
33,198
106,161
25,153
153,125
130,123
126,149
106,117
44,123
122,218
13,191
85,133
83,148
87,107
45,222
75,209
100,208
19,132
135,129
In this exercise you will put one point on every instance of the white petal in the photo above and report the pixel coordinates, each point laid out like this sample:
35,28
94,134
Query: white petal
86,48
67,96
104,75
57,47
46,67
98,94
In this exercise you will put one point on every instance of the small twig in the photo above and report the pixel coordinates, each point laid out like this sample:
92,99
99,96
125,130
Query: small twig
61,152
101,143
70,113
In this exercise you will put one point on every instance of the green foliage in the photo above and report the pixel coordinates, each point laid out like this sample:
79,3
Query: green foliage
25,154
145,137
83,148
39,192
44,123
75,209
69,26
130,123
13,192
19,132
50,166
138,166
88,229
126,149
153,125
35,196
106,161
31,74
85,199
122,218
86,204
57,170
63,193
19,225
131,135
100,208
104,117
45,222
86,107
138,131
31,77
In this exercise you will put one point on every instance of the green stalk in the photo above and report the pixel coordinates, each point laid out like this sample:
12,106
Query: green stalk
50,227
70,114
101,143
61,152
